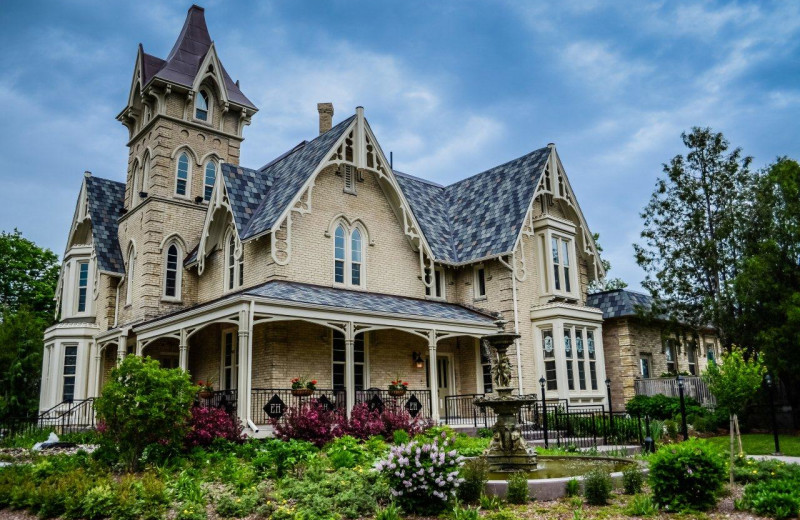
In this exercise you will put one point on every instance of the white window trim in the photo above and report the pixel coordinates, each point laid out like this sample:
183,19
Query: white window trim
209,121
477,296
367,382
238,263
348,254
78,264
234,359
585,329
130,274
434,286
178,273
205,181
63,376
188,194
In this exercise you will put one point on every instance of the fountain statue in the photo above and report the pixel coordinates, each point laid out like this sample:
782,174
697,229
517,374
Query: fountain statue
507,450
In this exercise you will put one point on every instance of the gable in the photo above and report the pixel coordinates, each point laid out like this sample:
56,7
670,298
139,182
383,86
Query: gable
105,200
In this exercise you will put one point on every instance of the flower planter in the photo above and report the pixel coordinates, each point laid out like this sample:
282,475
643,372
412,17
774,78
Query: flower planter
205,394
397,393
302,392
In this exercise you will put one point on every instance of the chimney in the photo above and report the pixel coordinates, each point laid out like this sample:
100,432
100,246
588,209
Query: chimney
325,116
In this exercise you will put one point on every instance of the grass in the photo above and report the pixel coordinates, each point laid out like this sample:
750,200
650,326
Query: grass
761,444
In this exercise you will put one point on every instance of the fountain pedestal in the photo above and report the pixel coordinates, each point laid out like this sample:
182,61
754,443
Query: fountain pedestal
508,450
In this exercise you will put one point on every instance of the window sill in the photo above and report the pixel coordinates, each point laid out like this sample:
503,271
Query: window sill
480,299
167,299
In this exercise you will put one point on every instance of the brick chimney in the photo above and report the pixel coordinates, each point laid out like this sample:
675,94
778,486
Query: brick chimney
325,116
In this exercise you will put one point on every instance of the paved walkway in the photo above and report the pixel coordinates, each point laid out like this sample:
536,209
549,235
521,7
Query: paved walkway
783,458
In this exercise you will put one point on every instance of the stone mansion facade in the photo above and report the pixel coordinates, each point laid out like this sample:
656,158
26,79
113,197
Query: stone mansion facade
324,262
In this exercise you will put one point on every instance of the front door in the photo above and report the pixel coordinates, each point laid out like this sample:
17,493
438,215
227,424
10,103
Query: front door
230,361
444,375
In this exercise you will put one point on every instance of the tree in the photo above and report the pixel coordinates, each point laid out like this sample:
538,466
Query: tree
694,231
768,285
21,358
605,284
734,383
28,276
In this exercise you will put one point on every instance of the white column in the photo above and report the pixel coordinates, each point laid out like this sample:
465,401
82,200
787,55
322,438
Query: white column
44,391
349,367
433,376
183,351
98,363
56,373
90,373
243,382
122,348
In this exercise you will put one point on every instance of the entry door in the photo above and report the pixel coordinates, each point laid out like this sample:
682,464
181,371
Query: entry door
230,361
445,379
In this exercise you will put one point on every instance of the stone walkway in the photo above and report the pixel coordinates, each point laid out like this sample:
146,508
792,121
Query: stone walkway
783,458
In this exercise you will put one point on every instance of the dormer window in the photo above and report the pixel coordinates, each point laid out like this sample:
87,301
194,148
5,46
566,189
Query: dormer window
201,106
557,259
561,263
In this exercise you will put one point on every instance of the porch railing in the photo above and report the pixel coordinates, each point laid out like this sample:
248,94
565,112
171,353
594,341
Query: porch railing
226,399
693,386
416,402
65,417
272,403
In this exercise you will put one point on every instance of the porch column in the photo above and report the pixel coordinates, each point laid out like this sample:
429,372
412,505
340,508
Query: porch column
122,348
98,363
243,381
92,370
183,351
433,376
349,367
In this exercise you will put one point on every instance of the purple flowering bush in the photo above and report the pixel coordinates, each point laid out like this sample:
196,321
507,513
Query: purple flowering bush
423,478
311,422
364,423
209,424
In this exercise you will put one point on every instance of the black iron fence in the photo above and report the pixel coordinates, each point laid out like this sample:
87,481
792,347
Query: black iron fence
66,417
416,402
226,399
272,403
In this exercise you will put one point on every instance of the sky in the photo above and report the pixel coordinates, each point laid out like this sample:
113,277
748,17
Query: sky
452,88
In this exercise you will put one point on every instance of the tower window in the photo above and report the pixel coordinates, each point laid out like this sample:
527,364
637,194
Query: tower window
83,284
201,106
211,175
182,176
131,272
172,275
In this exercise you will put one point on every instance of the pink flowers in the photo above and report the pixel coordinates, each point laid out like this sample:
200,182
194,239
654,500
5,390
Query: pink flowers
208,424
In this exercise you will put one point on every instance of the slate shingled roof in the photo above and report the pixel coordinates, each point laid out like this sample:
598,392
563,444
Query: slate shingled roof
479,216
246,190
363,301
186,56
105,201
619,303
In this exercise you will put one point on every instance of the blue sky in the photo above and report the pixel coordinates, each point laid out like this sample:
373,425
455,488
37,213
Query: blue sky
452,88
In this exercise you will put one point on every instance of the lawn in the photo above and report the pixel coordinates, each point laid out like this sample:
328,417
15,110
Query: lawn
762,444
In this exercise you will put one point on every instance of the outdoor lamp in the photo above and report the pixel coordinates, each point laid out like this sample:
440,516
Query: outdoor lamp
542,381
417,359
680,381
608,383
768,379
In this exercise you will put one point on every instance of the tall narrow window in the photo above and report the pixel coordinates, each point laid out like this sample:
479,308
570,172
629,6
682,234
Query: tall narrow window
644,366
565,262
437,290
355,257
171,272
146,174
568,356
70,363
211,176
230,361
548,351
671,356
230,256
131,272
182,176
486,372
339,356
710,352
579,350
556,265
562,280
691,354
339,254
592,358
480,282
201,106
83,285
135,185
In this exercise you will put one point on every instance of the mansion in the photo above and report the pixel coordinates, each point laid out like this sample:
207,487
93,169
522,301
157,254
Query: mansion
323,263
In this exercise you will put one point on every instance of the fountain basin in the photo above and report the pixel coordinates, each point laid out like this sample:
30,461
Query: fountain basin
548,481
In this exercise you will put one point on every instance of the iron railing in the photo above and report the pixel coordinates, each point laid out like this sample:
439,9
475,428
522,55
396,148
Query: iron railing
416,402
272,403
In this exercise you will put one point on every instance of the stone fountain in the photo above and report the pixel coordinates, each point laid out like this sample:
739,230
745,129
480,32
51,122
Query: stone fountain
508,450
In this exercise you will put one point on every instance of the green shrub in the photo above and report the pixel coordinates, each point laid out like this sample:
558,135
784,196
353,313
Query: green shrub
632,480
475,473
400,437
490,502
191,511
503,514
98,502
518,492
663,407
463,513
390,512
671,429
236,505
747,470
597,486
346,452
470,446
140,498
687,476
279,457
778,499
186,488
573,487
641,505
142,405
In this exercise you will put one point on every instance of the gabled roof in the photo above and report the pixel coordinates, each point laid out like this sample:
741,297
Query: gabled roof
184,60
619,303
105,201
246,190
287,175
480,216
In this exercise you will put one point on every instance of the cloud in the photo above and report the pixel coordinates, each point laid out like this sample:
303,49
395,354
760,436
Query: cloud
601,68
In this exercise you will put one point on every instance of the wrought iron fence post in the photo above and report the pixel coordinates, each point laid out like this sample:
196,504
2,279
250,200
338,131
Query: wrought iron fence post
684,426
772,412
544,413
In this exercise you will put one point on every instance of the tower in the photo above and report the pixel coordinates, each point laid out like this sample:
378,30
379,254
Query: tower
185,117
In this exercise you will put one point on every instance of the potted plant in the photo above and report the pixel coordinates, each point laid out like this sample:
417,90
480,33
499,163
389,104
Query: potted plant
206,389
303,387
398,387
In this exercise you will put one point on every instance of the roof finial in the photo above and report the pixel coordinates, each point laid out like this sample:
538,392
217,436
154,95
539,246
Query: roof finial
87,173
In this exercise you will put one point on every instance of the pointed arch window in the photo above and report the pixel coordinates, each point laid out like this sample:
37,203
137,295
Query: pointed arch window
131,273
234,268
172,271
348,255
135,182
182,175
201,106
145,174
210,178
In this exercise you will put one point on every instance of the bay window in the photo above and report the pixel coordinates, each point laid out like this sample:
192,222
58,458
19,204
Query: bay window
548,351
70,364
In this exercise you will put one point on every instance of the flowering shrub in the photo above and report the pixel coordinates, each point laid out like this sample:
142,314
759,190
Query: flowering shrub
364,423
311,422
208,424
423,477
687,476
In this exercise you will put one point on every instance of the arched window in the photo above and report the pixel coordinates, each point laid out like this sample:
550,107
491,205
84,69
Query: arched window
146,174
182,175
131,273
339,253
172,272
211,175
348,256
201,106
135,184
234,269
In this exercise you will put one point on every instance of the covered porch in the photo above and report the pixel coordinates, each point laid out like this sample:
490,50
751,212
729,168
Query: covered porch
251,344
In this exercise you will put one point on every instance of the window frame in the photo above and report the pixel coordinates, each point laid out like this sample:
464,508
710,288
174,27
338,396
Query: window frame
234,366
671,356
479,282
645,360
205,95
178,272
73,376
347,261
131,274
188,181
691,358
233,275
208,189
363,337
438,290
82,290
584,364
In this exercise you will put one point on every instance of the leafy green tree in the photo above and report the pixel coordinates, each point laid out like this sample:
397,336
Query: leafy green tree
694,230
143,405
734,383
605,284
768,286
28,276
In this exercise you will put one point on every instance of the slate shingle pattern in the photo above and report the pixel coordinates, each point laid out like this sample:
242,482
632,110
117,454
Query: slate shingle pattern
364,301
619,303
246,190
479,216
105,201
